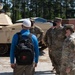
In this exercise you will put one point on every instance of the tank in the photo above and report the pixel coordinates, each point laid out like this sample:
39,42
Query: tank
5,20
8,29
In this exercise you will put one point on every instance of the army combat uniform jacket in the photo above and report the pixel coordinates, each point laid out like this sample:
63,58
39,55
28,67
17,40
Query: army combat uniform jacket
37,31
54,39
68,56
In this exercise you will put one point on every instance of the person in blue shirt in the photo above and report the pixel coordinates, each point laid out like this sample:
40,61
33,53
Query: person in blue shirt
27,69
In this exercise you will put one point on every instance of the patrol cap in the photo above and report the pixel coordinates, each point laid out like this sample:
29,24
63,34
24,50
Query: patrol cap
69,26
27,23
57,19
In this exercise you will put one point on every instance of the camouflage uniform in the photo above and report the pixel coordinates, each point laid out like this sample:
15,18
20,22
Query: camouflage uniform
39,34
68,56
37,31
48,42
54,39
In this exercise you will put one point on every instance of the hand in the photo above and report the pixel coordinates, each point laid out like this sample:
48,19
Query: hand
35,64
13,66
49,49
68,70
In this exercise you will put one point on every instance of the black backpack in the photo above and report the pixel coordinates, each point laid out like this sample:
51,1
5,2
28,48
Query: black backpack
24,52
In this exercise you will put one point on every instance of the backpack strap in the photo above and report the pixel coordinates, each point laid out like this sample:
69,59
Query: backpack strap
30,36
20,36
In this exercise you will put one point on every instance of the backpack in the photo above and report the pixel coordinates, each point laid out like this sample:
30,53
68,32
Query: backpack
24,52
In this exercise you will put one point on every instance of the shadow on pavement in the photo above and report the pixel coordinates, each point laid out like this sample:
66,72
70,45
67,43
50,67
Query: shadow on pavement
6,73
36,73
44,73
41,53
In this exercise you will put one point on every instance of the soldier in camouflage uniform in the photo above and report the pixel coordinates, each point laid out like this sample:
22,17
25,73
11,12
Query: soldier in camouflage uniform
47,41
54,39
39,34
68,52
37,31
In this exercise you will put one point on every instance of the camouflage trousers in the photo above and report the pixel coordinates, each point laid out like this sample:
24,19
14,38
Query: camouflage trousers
55,57
63,71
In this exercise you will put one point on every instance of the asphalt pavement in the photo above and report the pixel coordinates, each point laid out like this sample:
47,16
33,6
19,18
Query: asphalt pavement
44,65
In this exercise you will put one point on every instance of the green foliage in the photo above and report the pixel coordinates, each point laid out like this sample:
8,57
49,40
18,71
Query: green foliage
48,9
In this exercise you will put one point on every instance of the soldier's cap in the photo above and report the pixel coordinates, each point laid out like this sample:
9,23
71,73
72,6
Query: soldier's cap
27,23
57,19
70,27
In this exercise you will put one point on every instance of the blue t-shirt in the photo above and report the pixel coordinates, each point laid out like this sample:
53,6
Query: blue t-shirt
14,43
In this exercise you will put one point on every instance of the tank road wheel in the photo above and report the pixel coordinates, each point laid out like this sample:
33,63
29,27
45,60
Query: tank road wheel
3,49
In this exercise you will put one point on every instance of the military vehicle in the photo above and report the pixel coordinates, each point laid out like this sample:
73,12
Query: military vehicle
5,20
8,29
17,27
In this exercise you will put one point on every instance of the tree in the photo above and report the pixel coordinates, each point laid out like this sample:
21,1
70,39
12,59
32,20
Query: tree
48,9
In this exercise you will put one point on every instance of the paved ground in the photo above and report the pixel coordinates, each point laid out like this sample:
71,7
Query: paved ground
44,66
